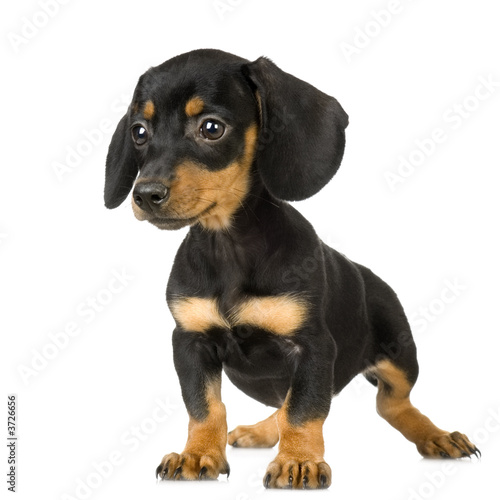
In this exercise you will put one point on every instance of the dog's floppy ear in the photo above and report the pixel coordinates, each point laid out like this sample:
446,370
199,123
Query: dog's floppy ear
302,136
121,165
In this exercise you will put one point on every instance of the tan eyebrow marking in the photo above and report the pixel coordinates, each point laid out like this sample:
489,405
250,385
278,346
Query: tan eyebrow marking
194,106
149,110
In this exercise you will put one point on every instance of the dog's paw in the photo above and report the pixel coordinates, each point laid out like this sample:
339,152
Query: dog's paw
286,472
252,436
192,466
448,445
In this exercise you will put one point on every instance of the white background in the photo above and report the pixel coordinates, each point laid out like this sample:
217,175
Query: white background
59,246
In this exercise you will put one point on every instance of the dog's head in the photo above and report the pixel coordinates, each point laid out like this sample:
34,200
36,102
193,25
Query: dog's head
205,127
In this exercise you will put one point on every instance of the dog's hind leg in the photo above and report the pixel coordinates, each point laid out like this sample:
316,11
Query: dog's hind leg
393,404
263,434
394,367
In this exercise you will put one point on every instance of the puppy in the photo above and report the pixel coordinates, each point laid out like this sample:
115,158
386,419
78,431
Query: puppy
220,144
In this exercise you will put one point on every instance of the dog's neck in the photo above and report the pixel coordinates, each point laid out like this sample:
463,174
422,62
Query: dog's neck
250,224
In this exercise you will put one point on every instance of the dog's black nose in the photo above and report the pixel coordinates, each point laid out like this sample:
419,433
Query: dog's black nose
150,195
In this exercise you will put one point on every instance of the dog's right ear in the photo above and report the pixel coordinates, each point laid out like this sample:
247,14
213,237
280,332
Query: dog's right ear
121,165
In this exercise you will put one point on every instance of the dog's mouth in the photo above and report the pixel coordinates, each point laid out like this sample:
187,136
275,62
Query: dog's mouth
173,223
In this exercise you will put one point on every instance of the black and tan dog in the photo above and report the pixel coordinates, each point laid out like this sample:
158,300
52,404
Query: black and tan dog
220,143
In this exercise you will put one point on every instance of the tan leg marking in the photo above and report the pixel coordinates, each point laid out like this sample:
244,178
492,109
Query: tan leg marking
393,404
263,434
300,462
204,456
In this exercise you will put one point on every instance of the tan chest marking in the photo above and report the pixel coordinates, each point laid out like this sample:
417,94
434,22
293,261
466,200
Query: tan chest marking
281,315
197,315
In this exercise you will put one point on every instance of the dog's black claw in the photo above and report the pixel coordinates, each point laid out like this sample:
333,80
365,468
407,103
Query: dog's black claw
477,452
469,452
202,473
305,482
236,445
267,480
290,476
444,454
322,481
177,472
161,472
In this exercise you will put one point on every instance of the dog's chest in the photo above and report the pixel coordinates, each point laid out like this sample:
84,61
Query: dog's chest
222,286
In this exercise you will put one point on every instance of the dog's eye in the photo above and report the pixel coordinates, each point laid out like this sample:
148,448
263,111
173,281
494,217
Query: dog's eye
212,130
139,135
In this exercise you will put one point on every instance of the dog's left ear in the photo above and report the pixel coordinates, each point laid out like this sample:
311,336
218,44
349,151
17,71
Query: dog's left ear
302,136
121,165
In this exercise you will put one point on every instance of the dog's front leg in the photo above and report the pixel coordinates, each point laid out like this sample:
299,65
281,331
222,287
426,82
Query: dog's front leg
199,371
300,462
